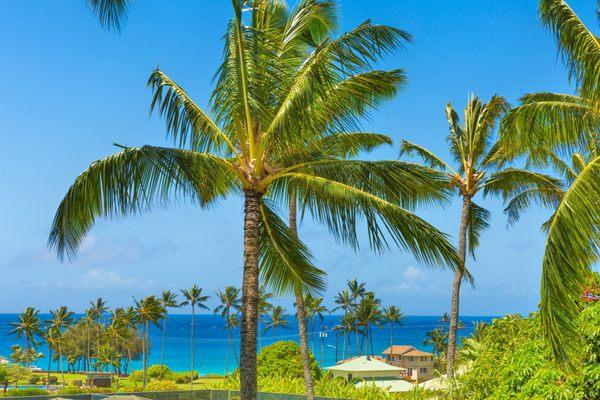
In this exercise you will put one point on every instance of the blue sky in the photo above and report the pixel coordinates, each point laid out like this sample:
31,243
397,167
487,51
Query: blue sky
69,90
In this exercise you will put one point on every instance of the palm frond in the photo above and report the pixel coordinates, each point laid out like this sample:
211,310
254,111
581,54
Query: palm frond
129,182
285,262
578,46
427,156
111,13
572,246
478,221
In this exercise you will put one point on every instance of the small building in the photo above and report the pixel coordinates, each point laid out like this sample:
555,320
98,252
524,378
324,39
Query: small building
418,364
366,368
4,360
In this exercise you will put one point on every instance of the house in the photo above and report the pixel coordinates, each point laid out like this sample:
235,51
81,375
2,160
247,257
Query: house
418,364
366,368
4,360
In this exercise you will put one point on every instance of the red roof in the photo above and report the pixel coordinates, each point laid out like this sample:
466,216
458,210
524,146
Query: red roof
398,349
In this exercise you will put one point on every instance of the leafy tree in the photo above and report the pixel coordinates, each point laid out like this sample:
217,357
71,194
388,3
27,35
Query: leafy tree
168,300
282,359
28,327
439,340
285,81
194,297
61,318
564,122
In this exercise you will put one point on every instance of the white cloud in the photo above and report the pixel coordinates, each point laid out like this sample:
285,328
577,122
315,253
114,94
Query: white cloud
412,273
96,279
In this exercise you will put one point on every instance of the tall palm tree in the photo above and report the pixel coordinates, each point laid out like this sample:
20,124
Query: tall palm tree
314,309
368,313
357,290
117,333
438,339
393,316
565,122
284,82
478,169
148,310
168,300
60,319
194,298
277,319
232,323
97,310
229,300
345,303
50,336
28,327
129,319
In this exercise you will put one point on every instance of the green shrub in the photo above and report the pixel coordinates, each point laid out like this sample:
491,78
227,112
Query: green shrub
53,380
136,376
184,377
283,360
161,386
34,379
71,390
161,373
26,392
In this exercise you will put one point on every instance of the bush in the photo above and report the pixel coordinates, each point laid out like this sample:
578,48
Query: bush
136,376
283,360
34,379
161,386
71,390
26,392
160,372
53,380
184,377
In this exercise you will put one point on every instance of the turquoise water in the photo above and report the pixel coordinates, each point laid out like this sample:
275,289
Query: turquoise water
211,340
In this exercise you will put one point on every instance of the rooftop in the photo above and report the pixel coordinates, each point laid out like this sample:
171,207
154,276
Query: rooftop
364,364
405,351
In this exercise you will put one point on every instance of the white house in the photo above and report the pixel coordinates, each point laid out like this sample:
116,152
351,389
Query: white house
366,368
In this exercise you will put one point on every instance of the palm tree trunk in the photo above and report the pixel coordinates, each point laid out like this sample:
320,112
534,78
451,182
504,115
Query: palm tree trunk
162,350
344,347
301,316
89,355
250,296
392,341
146,346
458,275
192,349
60,363
49,365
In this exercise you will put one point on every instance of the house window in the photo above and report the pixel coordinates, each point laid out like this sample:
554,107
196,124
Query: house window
410,359
409,370
423,370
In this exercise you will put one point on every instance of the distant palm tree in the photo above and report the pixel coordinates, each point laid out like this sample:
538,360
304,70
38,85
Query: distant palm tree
368,313
264,306
438,339
51,340
347,324
61,319
444,319
89,323
232,323
229,300
116,334
357,290
314,309
168,300
344,302
277,319
129,319
194,298
148,310
28,327
97,310
393,316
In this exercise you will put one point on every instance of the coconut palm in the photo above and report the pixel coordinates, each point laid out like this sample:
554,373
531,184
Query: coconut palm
357,290
168,300
60,319
116,333
479,169
148,310
368,313
393,316
129,319
277,319
194,298
438,339
564,122
345,303
314,309
50,336
97,309
28,327
229,301
284,83
232,323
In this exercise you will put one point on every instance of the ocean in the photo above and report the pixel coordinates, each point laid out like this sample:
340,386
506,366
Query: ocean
211,340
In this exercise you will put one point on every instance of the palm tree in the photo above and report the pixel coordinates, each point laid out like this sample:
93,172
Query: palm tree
314,308
61,319
478,169
472,346
298,84
229,300
97,310
368,313
194,298
233,322
50,336
117,332
129,319
28,327
345,303
277,319
148,310
393,316
168,300
564,122
357,290
264,306
347,325
438,339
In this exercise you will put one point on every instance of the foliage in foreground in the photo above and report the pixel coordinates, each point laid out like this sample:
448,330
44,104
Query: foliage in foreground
514,362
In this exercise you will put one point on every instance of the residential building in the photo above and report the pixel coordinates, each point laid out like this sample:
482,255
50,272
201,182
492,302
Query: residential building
418,364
